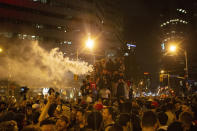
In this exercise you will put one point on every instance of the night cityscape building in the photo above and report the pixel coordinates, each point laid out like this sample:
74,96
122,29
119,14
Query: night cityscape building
174,28
111,16
131,67
64,23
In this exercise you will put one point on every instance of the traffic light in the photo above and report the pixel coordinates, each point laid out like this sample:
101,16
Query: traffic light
75,77
146,73
161,78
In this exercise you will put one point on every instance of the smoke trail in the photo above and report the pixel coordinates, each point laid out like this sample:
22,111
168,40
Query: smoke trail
29,64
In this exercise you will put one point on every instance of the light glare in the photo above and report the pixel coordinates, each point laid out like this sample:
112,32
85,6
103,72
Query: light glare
90,43
162,71
172,48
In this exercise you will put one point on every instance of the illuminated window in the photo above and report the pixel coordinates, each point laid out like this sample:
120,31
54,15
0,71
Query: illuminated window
182,11
41,1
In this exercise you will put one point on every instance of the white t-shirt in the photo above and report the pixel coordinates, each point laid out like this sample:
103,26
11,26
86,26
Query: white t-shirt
105,93
89,99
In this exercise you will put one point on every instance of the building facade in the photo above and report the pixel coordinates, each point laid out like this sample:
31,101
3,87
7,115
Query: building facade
64,23
111,16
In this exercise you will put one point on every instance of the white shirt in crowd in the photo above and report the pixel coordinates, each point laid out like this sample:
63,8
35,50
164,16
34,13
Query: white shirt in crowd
105,93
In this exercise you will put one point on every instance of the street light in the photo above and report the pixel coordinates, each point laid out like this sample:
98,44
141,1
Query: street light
173,48
1,50
90,43
162,71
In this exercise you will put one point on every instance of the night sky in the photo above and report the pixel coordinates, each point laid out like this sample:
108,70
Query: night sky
142,25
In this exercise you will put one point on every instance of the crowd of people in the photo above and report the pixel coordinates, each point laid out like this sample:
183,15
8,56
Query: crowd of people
139,114
106,104
108,81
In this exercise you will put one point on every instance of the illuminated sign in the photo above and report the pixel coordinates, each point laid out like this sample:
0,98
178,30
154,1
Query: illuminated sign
163,46
131,45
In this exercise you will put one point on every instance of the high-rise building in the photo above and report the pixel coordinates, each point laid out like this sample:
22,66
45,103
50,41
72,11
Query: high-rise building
175,24
65,23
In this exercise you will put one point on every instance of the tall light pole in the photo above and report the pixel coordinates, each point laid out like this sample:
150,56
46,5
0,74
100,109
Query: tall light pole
77,54
90,45
173,48
186,69
186,64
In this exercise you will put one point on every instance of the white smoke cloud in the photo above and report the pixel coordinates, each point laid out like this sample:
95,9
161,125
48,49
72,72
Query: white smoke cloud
31,65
